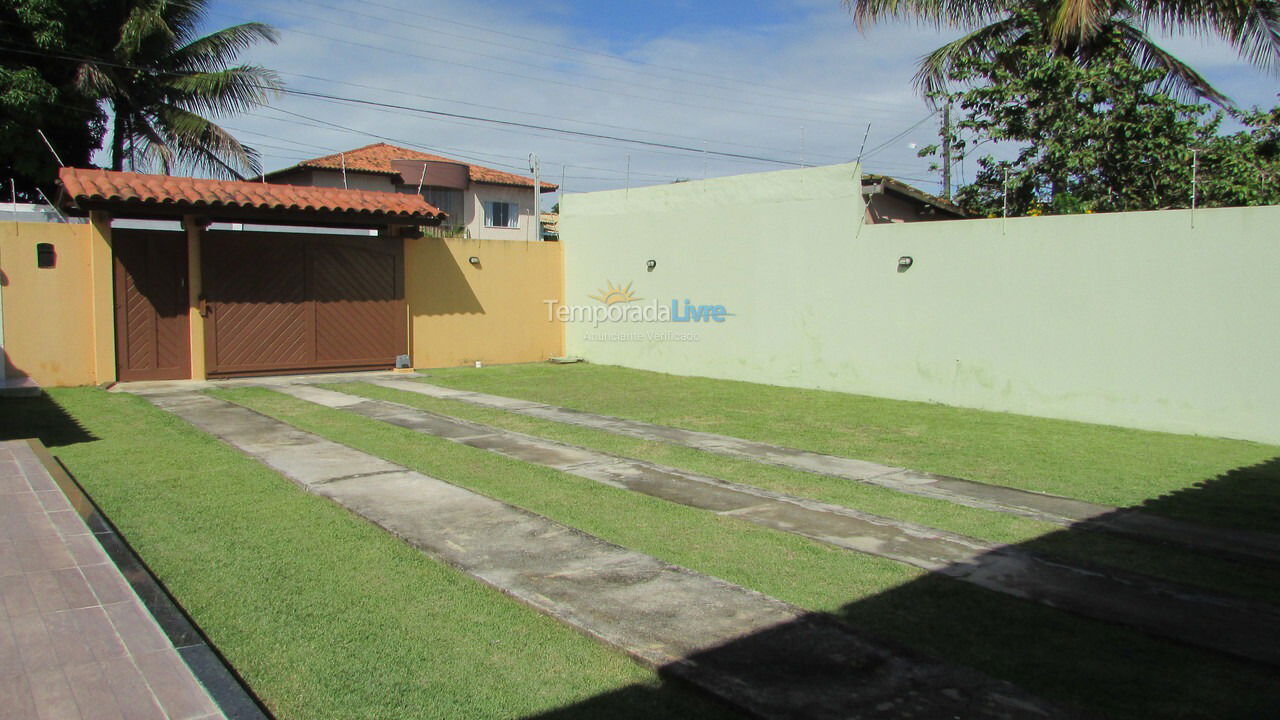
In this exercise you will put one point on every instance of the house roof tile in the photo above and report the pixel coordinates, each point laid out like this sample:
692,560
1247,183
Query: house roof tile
377,158
88,187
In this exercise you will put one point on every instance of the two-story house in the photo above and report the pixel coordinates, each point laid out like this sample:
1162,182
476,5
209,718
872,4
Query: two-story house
480,202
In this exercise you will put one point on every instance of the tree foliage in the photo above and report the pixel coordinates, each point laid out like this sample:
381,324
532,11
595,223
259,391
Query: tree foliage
38,91
162,79
1099,138
136,73
1087,31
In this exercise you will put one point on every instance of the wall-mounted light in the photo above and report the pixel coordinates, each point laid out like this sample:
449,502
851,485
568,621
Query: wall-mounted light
904,263
651,265
46,256
473,260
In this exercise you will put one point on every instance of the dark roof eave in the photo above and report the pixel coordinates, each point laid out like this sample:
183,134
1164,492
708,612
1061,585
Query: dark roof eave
141,210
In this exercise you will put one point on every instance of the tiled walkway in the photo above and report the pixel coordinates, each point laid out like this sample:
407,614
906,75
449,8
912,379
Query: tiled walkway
75,640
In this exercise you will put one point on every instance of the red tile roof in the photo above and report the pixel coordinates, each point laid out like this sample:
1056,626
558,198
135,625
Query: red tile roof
377,158
88,188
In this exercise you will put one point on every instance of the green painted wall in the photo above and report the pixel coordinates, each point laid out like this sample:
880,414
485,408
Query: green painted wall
1159,320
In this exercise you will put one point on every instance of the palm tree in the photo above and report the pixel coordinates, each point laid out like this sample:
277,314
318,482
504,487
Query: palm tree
1081,28
162,81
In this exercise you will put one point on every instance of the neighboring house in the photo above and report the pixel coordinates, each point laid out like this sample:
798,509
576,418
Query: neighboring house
551,226
893,201
479,202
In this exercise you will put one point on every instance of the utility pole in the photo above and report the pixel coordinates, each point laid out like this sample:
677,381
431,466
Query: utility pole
946,151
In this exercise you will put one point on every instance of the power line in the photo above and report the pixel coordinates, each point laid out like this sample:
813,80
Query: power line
487,120
590,51
530,114
790,96
531,126
721,109
899,136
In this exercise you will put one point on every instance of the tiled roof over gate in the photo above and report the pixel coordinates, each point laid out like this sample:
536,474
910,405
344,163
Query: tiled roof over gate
102,188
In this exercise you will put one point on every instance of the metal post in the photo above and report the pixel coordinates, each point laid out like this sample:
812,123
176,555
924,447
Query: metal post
946,151
535,168
1195,167
50,146
1005,215
628,192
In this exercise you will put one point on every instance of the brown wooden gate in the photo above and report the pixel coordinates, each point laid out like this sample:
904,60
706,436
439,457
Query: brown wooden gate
153,340
289,303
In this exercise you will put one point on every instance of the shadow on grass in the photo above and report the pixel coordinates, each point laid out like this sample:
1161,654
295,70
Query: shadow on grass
1247,497
1078,666
40,417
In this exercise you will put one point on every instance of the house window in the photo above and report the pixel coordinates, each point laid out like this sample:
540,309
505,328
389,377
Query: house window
501,214
449,201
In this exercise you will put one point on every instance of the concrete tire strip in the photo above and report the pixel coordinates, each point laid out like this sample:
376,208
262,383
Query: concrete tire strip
764,656
1182,613
1250,545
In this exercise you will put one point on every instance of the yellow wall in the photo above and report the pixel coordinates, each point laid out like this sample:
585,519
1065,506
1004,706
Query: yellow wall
494,312
48,313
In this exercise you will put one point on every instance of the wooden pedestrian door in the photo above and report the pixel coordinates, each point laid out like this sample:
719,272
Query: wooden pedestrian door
289,303
153,340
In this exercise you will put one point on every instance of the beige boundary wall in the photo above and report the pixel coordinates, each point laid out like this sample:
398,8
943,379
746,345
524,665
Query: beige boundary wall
48,312
1159,320
493,311
59,323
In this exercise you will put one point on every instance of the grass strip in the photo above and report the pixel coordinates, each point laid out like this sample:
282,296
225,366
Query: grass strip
1234,483
324,614
1172,563
1093,665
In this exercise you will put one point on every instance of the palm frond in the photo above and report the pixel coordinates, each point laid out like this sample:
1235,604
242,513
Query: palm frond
1073,21
955,13
200,142
1251,26
185,17
96,81
144,21
236,89
155,148
982,44
215,50
1180,80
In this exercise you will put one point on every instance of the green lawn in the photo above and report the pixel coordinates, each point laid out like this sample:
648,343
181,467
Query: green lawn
325,615
1168,562
1229,482
1101,668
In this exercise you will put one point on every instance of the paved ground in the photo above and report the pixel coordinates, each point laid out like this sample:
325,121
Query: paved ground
1177,612
1041,506
75,640
770,658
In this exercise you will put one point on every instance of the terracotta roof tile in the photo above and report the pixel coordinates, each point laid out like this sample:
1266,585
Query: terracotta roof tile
88,187
377,158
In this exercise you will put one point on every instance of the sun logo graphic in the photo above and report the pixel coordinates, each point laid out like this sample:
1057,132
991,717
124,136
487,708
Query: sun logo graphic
612,294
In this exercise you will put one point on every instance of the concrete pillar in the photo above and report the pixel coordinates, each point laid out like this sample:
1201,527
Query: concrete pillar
195,229
102,286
